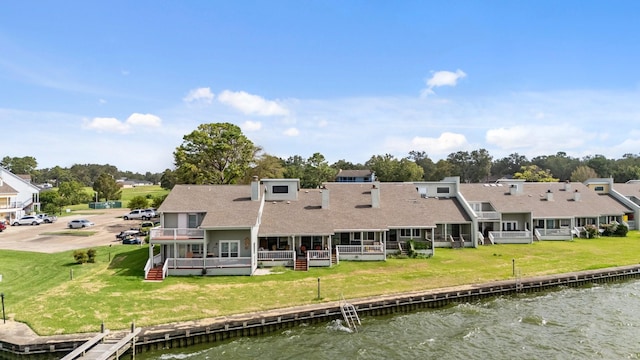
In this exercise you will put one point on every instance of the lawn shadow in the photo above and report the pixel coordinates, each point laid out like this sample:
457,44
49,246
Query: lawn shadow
130,263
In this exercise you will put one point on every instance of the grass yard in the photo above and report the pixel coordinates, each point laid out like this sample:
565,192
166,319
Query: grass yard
40,292
127,194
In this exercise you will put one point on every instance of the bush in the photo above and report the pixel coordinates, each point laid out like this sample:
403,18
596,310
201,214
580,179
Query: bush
91,255
592,231
138,202
80,256
615,229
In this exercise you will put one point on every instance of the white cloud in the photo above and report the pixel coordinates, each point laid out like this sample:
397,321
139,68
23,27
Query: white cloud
445,144
203,95
102,101
291,132
539,138
114,125
251,104
106,125
251,125
143,120
442,78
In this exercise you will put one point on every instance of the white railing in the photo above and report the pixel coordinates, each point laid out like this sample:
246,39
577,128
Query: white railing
536,233
175,234
555,232
357,249
480,238
337,256
165,269
157,259
147,267
318,254
198,263
264,255
510,234
488,215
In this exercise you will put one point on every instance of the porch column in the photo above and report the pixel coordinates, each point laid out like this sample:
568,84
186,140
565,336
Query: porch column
175,255
361,242
383,241
151,255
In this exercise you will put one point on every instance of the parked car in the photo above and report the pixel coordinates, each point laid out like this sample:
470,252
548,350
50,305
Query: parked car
131,240
79,223
28,220
47,219
2,226
126,233
145,226
144,214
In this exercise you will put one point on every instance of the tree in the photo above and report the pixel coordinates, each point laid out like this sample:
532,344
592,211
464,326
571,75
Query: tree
316,171
428,166
507,166
266,167
107,188
19,165
582,173
480,165
168,179
72,192
51,202
216,153
138,202
559,165
388,168
532,173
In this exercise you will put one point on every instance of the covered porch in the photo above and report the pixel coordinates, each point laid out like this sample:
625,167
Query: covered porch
295,251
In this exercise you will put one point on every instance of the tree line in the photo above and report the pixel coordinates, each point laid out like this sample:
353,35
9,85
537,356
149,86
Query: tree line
219,153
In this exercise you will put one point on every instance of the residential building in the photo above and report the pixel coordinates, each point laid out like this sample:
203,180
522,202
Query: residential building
18,196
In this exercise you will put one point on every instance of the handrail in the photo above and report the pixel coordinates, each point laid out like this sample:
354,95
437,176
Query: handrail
80,350
165,269
147,267
480,238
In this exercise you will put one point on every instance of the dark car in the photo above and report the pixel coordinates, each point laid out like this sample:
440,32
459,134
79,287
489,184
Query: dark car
2,226
131,240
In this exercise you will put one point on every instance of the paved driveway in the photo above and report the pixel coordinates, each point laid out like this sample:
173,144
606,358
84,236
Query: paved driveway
108,222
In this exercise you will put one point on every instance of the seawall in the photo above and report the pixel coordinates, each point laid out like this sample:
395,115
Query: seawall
252,324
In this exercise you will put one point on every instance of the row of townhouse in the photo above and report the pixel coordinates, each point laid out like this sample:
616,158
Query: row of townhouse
18,196
235,229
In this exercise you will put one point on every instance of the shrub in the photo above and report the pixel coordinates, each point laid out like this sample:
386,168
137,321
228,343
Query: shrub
91,255
592,231
138,202
80,256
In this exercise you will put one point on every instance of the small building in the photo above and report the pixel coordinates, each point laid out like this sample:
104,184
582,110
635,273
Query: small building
355,176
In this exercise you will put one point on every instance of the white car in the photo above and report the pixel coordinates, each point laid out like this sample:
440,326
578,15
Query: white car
144,214
79,223
28,220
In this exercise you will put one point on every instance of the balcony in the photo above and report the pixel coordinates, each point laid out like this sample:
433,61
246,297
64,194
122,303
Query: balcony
166,234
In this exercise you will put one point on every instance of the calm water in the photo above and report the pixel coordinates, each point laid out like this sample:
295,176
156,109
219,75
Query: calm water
599,322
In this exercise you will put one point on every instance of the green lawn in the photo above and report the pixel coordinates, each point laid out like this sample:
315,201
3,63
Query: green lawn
127,194
40,292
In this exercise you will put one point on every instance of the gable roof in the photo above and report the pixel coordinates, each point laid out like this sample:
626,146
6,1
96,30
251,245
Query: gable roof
354,173
533,198
6,189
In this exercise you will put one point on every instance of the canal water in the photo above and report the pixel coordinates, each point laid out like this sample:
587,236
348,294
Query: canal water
597,322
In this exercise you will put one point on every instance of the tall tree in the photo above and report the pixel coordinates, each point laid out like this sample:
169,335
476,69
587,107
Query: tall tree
480,165
19,165
428,166
316,171
107,188
509,165
168,179
266,167
388,168
216,153
72,192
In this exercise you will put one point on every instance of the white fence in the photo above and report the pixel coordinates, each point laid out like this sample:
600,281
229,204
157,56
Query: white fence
176,234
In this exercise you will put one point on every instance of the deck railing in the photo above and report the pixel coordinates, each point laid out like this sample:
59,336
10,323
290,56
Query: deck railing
319,254
555,232
358,249
176,234
199,263
488,215
264,255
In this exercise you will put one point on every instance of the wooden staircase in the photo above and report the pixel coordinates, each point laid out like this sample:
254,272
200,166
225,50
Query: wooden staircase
334,259
155,274
300,265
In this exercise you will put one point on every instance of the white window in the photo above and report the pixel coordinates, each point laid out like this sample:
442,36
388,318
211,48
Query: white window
410,233
510,226
230,248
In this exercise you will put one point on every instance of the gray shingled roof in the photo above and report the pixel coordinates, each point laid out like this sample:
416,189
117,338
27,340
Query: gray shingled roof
628,190
354,173
534,199
226,206
6,189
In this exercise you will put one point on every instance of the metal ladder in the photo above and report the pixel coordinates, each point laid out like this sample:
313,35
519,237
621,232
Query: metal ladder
350,315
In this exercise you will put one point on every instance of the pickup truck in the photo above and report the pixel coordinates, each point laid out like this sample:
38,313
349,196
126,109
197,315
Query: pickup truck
47,219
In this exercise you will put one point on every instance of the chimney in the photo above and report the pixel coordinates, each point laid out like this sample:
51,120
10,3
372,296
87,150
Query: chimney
325,197
375,195
549,195
255,189
576,195
514,189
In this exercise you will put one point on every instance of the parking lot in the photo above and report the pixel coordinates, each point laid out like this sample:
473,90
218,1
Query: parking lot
108,223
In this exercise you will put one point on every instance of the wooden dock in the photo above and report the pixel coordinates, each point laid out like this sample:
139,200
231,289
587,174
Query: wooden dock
102,348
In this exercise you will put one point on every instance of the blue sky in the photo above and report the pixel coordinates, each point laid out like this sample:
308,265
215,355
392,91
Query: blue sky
121,82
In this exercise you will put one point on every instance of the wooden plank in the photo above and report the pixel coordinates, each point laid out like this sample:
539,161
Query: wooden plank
79,351
108,351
